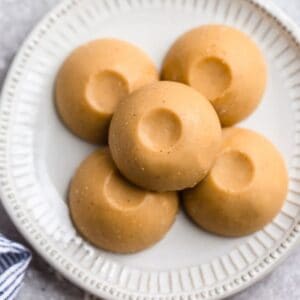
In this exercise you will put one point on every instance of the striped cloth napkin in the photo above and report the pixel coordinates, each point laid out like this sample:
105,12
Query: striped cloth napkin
14,260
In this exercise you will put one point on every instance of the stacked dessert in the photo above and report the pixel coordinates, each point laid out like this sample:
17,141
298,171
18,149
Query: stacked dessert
169,139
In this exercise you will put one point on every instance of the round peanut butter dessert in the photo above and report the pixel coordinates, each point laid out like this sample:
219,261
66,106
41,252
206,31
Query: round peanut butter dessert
92,81
113,214
165,136
244,190
224,65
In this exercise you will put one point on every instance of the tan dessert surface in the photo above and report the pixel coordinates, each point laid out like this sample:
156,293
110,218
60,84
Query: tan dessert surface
245,188
113,214
223,64
93,79
165,136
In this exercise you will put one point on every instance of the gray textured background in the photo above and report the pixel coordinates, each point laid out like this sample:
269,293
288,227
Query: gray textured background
17,18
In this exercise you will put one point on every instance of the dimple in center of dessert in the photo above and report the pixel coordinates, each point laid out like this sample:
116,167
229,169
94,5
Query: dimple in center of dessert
160,129
123,195
105,90
233,171
211,77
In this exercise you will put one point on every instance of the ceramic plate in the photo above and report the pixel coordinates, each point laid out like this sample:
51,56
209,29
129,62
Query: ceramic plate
38,155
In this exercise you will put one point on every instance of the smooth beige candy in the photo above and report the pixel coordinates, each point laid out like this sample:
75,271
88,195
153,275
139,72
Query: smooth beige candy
92,81
113,214
165,136
224,65
244,190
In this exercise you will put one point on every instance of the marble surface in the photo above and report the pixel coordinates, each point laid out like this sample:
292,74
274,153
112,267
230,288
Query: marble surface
17,18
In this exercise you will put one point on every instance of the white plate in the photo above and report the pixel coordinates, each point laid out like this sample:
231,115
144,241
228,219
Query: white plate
38,155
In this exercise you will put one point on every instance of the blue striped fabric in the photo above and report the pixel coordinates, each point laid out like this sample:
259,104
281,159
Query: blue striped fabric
14,260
